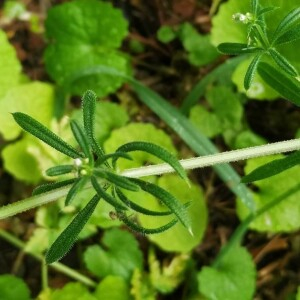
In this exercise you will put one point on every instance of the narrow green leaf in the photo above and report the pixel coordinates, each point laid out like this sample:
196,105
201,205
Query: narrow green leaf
43,133
106,197
68,237
273,168
59,170
77,186
155,150
237,48
219,74
289,36
266,10
167,199
260,35
82,140
283,63
143,230
105,157
130,204
254,7
290,20
251,71
282,83
118,180
51,186
88,109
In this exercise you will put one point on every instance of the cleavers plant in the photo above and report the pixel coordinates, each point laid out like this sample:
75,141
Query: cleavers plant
262,43
92,165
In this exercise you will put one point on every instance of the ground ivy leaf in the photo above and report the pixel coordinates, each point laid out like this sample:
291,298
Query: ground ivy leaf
120,258
10,66
233,279
19,162
95,29
285,216
71,291
13,288
176,238
35,99
200,50
226,112
113,288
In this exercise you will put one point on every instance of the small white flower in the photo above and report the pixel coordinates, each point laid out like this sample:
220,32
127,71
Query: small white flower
77,162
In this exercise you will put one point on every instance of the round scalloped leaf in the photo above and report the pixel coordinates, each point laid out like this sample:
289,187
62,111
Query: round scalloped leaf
233,279
10,66
72,291
258,90
113,288
178,237
19,162
120,255
84,34
285,216
138,132
13,288
207,122
35,99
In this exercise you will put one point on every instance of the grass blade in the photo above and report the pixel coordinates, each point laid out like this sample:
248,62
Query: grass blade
251,71
155,150
43,133
273,168
69,236
224,71
59,170
288,87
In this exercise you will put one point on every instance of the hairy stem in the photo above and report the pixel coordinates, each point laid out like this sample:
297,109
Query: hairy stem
192,163
219,158
57,266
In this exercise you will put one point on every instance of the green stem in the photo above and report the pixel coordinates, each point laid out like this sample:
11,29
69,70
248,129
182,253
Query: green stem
219,158
192,163
57,266
240,231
